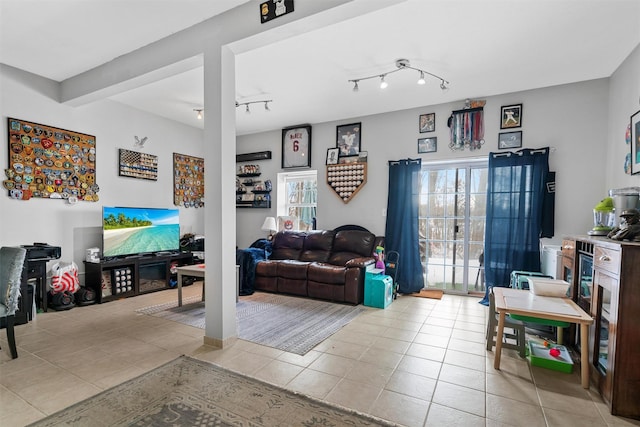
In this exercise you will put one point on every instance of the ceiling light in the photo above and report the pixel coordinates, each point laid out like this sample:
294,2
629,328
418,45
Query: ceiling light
198,113
246,104
401,64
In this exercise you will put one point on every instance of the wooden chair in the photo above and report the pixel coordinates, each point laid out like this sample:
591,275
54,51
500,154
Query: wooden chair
516,326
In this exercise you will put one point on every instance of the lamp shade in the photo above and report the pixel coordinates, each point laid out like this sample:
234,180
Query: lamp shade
269,224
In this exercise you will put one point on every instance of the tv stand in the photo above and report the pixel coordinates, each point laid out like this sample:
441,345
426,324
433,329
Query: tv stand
134,275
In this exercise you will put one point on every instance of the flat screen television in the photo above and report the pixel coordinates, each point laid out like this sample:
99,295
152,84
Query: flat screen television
134,231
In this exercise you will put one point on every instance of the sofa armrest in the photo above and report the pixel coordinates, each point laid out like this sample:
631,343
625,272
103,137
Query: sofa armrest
361,262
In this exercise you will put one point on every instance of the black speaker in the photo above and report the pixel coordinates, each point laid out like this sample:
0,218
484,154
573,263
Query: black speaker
85,296
61,301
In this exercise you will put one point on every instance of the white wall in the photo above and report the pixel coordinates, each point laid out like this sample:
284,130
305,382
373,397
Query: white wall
77,227
572,119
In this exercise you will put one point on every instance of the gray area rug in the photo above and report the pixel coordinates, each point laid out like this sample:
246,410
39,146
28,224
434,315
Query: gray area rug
292,324
189,392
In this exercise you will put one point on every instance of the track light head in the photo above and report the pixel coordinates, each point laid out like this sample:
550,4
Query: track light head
198,113
266,106
247,110
421,79
443,85
383,84
356,88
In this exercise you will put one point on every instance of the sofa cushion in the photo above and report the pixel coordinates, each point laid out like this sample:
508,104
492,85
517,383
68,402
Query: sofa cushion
267,268
317,246
288,245
326,273
349,244
292,269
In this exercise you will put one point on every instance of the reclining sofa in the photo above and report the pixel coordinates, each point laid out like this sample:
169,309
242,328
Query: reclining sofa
323,264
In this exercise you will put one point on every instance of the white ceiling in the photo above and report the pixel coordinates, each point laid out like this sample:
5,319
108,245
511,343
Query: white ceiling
482,48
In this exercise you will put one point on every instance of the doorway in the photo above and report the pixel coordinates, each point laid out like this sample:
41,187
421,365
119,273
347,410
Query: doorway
452,224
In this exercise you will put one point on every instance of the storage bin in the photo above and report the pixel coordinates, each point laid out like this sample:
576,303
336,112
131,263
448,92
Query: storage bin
539,356
548,287
519,278
378,291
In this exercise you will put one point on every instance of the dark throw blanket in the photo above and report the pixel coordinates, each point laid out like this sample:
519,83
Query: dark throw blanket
247,259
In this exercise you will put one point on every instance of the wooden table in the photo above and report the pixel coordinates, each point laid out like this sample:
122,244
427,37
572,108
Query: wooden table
192,271
198,270
524,302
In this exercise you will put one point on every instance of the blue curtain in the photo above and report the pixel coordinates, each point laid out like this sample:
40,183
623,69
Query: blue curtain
515,207
401,233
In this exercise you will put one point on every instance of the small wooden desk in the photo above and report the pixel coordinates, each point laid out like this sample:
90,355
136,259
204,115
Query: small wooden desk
523,302
189,270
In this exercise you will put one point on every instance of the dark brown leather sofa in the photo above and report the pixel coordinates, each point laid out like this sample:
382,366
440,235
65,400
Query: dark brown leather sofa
323,264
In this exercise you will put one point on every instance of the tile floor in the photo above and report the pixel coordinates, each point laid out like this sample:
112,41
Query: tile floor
420,362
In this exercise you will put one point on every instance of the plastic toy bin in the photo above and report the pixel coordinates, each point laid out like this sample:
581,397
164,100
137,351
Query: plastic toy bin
539,356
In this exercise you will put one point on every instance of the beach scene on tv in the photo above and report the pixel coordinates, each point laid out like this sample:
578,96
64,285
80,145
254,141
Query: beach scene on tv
128,231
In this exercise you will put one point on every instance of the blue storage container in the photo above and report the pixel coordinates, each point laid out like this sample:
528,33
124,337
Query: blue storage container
378,291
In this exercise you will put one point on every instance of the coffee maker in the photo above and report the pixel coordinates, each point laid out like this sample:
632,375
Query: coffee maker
623,199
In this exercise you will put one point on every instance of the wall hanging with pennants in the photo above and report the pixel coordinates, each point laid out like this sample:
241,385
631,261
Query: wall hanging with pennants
188,181
49,162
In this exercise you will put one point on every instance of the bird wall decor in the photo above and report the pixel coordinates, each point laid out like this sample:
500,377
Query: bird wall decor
139,142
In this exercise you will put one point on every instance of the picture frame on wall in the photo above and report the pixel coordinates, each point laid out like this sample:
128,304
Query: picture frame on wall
428,145
427,122
348,139
332,156
511,116
296,147
509,140
635,143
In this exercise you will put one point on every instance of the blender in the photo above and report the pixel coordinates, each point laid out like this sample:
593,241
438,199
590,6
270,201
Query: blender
603,218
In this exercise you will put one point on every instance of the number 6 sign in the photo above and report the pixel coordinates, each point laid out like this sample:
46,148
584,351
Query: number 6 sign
296,147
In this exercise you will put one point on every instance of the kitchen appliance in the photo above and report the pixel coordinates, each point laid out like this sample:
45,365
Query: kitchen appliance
623,199
603,218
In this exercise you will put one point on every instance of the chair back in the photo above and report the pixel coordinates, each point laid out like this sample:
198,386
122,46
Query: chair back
11,265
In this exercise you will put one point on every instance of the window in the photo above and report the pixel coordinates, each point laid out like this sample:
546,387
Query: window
298,198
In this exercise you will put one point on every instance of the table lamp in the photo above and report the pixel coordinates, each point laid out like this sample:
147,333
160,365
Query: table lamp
270,226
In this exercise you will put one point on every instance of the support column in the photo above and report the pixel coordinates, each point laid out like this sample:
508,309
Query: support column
220,213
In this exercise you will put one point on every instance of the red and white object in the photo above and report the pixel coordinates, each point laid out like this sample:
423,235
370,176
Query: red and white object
64,277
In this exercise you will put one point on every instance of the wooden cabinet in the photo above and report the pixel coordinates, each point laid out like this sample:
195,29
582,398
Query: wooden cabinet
615,334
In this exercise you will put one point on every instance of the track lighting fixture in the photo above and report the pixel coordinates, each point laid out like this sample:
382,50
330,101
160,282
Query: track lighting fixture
248,110
401,64
198,113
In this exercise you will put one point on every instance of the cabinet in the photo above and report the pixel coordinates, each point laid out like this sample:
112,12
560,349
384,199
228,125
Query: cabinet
252,192
616,330
133,276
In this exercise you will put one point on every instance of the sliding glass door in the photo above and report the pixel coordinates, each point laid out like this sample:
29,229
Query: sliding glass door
452,223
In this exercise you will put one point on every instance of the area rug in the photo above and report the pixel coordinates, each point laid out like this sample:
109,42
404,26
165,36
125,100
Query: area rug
292,324
429,293
189,392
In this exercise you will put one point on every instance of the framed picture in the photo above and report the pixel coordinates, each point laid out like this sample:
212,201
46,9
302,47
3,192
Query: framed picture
348,139
635,143
511,116
296,147
428,145
427,122
507,140
332,156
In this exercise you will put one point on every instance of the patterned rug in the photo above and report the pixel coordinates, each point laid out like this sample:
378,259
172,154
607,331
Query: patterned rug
189,392
292,324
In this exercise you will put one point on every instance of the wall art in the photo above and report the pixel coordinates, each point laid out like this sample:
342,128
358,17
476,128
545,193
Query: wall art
511,116
134,164
49,162
188,181
348,139
296,147
508,140
635,143
427,122
428,145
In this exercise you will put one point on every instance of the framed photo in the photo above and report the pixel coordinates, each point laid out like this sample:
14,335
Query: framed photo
348,139
296,147
511,116
507,140
428,145
635,143
427,122
332,156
